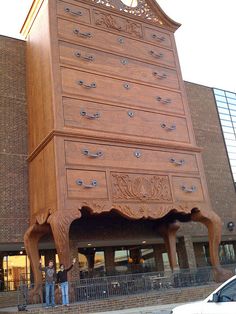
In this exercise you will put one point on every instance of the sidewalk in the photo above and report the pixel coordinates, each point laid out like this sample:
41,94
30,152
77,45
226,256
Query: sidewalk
162,308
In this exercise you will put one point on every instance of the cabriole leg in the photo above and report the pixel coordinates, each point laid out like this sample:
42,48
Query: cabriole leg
213,223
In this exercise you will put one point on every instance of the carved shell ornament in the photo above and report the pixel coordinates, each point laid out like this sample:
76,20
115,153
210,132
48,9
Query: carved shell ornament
134,7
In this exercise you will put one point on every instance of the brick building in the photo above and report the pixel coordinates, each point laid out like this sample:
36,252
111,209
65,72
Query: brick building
99,248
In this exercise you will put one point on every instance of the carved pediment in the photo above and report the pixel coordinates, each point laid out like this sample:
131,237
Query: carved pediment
148,10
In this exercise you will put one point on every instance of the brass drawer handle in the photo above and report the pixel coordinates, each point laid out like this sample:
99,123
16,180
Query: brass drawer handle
93,184
168,128
180,162
90,116
156,55
92,85
164,101
86,58
159,38
160,76
86,152
78,13
79,33
189,190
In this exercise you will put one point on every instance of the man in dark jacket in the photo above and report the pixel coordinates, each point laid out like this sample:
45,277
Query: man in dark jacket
50,278
63,282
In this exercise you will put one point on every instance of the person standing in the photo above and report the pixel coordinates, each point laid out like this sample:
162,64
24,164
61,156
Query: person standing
63,282
50,278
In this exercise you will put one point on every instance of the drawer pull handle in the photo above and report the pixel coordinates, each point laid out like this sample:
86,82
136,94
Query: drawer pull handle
137,154
92,85
93,184
126,86
164,101
79,33
86,58
160,76
159,38
124,61
90,116
121,40
86,152
189,190
168,128
130,114
156,55
180,162
78,13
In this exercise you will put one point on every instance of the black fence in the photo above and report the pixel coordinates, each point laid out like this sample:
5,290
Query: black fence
124,285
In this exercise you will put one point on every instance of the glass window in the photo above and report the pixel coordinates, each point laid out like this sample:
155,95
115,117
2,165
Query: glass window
229,136
230,142
219,91
222,104
232,156
15,271
226,123
233,163
83,263
166,262
121,256
225,117
223,110
227,129
231,101
233,111
148,259
231,149
122,260
230,95
99,262
228,293
220,98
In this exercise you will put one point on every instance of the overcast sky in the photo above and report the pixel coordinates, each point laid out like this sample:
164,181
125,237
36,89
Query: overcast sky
206,40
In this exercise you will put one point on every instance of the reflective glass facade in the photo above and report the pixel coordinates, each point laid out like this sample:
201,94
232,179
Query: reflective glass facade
226,105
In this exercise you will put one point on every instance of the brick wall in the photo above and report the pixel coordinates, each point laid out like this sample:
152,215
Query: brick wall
133,301
13,141
217,169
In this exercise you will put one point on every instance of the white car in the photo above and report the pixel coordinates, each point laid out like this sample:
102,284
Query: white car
221,301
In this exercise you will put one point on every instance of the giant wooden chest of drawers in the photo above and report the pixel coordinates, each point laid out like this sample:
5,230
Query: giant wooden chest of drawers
109,122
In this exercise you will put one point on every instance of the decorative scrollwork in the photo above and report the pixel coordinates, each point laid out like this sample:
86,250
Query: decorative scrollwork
117,23
141,187
142,9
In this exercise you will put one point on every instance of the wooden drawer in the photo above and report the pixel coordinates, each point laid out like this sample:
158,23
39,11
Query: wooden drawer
77,153
120,91
92,37
113,119
94,60
157,37
74,12
86,184
187,189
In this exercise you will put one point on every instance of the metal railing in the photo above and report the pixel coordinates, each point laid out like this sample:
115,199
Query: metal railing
89,289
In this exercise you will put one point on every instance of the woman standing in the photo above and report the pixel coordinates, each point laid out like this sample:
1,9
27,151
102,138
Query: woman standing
63,282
